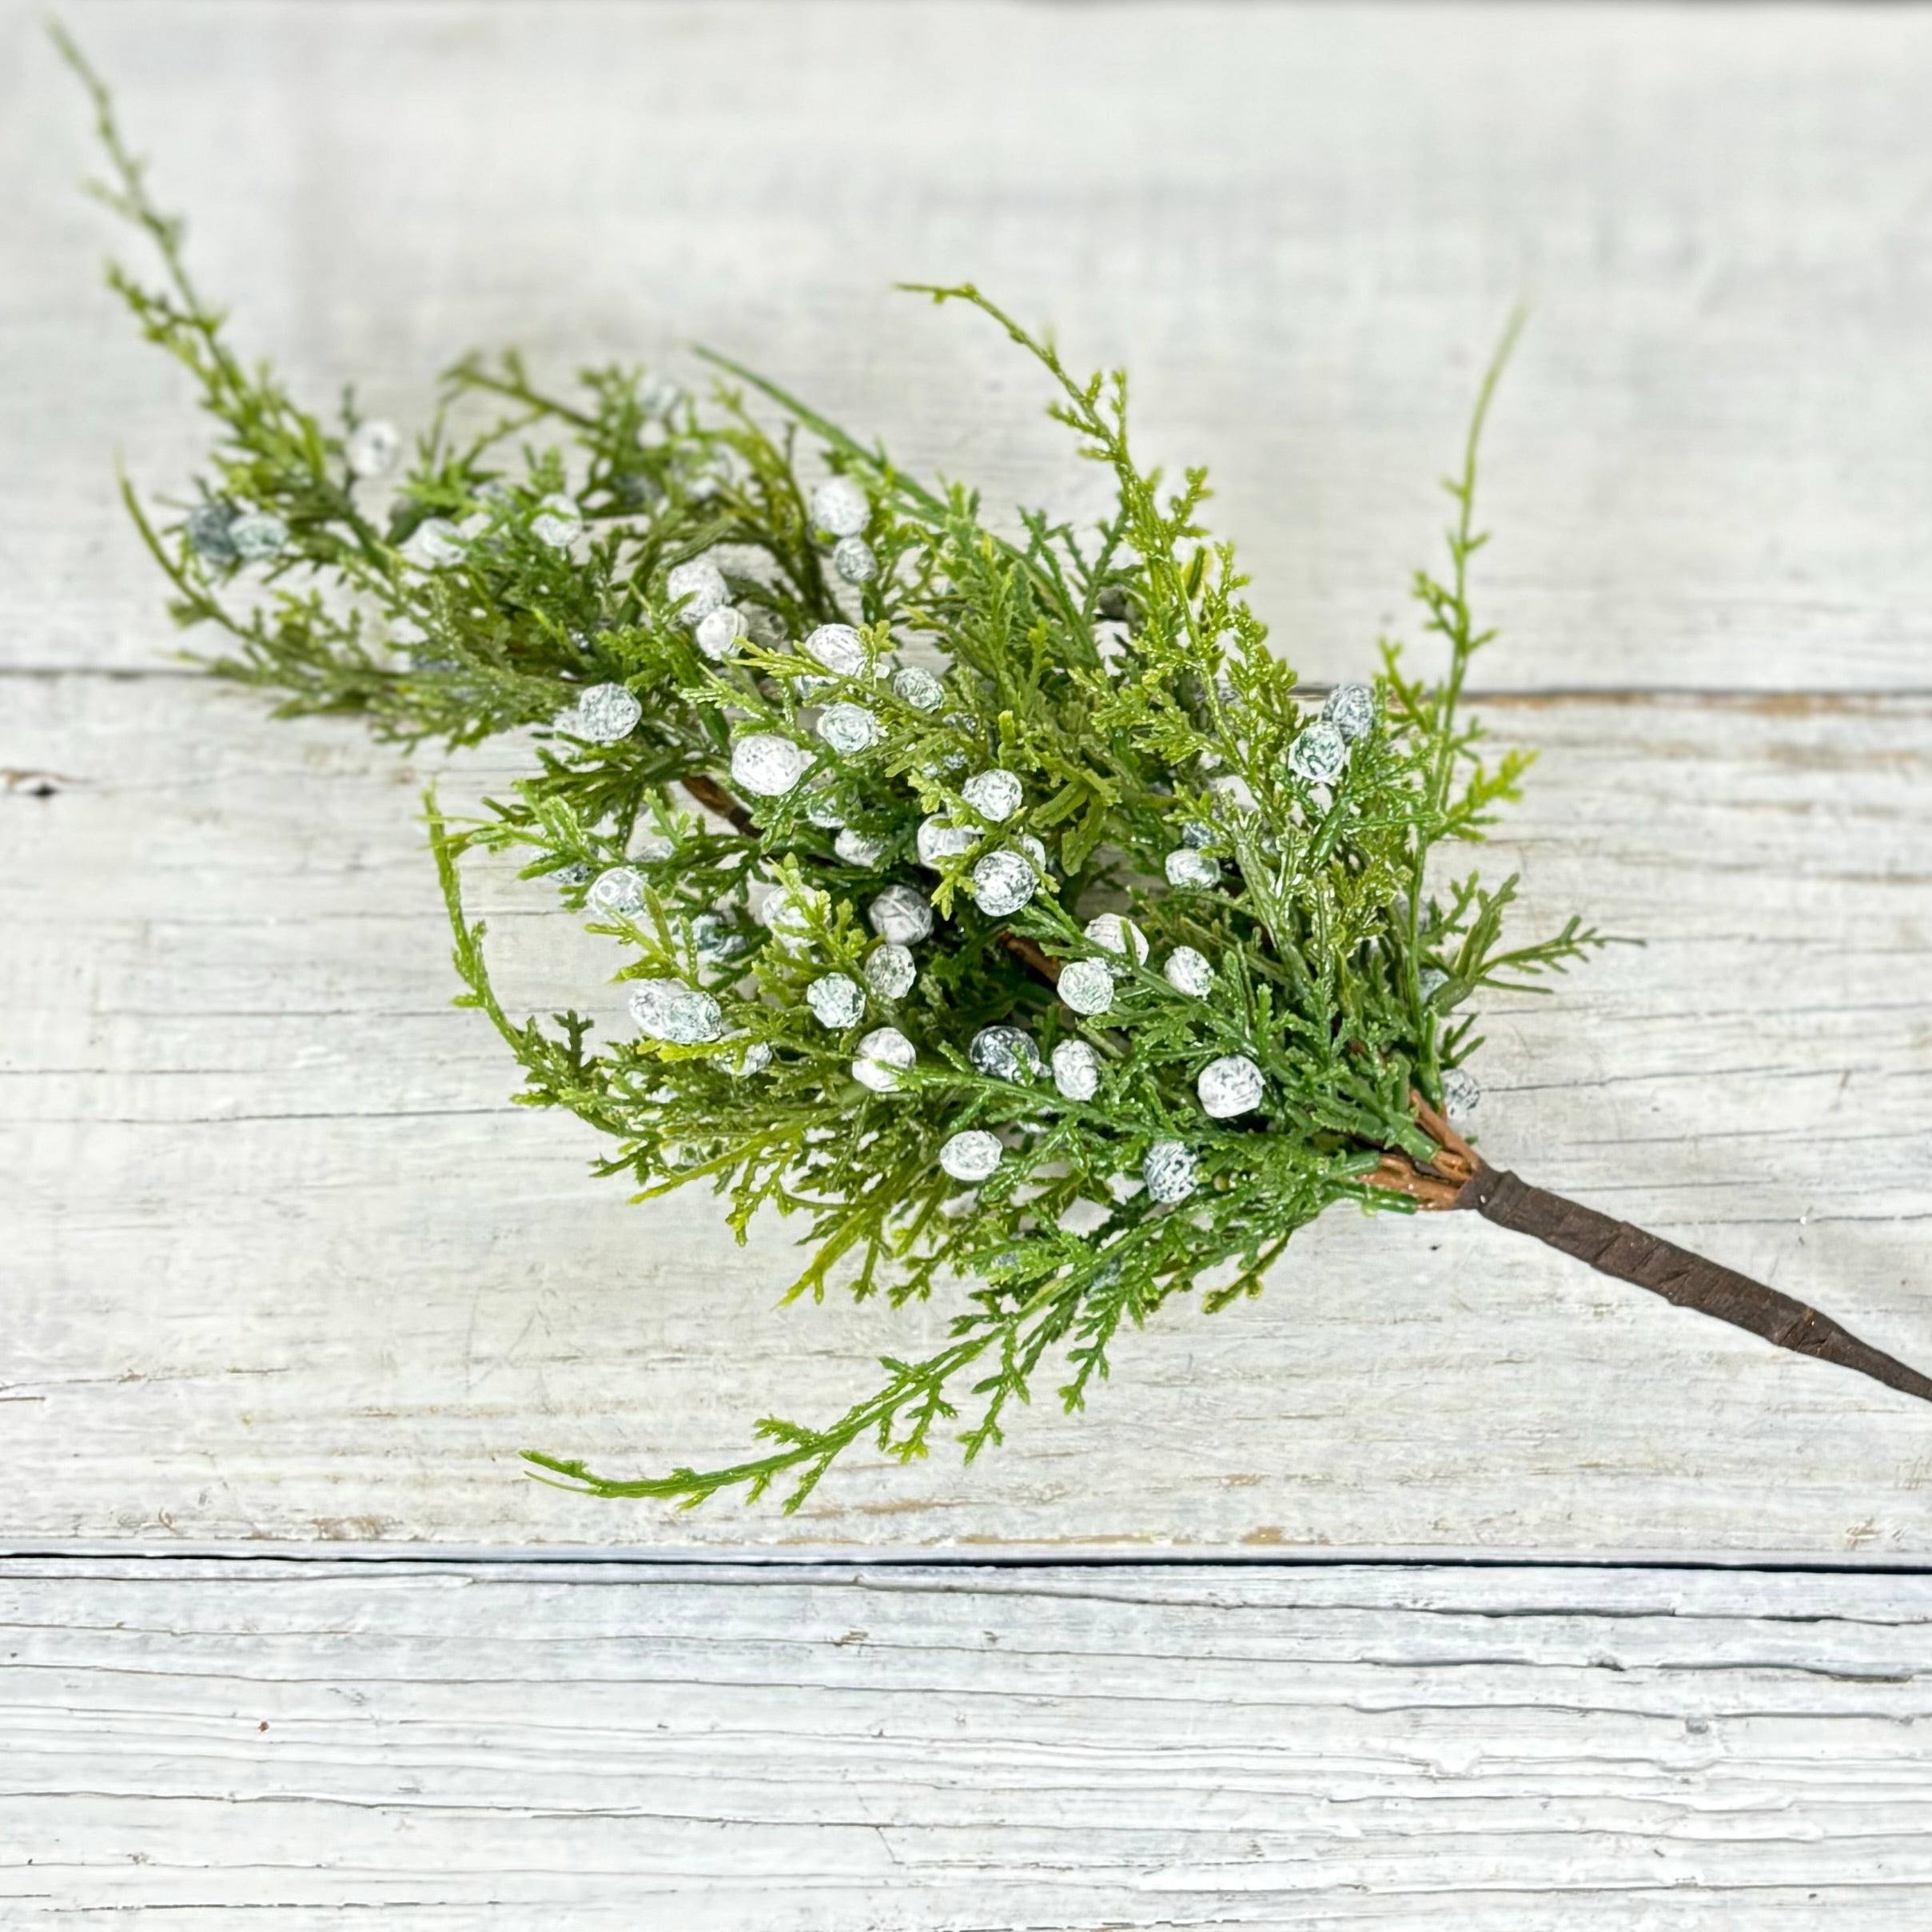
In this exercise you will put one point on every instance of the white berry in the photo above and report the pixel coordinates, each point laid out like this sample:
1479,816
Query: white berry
667,1009
558,521
1171,1172
995,794
901,916
1004,1053
889,971
1002,883
853,560
1086,985
884,1054
719,632
1189,869
971,1157
836,1001
839,648
848,729
372,447
1076,1070
605,714
699,587
1188,971
1230,1085
858,848
1112,934
838,505
1351,710
915,686
767,764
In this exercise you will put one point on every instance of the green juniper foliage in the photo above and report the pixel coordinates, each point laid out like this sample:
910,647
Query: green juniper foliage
778,731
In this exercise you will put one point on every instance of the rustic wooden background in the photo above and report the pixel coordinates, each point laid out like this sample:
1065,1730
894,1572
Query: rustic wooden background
1445,1575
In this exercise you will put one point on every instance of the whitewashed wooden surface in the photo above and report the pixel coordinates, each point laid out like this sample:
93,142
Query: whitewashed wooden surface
281,1269
1003,1751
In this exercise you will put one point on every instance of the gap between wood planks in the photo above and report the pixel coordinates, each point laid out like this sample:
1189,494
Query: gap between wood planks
1770,701
753,1567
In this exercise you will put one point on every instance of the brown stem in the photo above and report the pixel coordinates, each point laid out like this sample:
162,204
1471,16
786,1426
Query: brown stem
1615,1248
1457,1178
1023,948
714,797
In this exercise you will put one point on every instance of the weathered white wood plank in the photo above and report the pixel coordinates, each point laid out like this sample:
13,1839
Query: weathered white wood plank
1011,1751
282,1262
1301,227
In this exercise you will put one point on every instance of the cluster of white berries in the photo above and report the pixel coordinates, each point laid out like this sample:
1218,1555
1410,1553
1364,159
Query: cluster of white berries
1002,879
1321,753
220,534
842,510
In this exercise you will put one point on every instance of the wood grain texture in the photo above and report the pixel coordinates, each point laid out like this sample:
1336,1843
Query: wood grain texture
1301,228
289,1264
1006,1750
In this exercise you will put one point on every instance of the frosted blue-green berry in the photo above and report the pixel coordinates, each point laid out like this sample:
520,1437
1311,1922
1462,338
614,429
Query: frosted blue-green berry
836,1001
789,916
557,522
939,839
1002,883
855,560
753,1057
715,938
208,528
1004,1053
858,848
679,1015
1171,1172
1187,870
698,587
719,632
1112,934
605,714
890,970
1318,755
915,685
848,729
618,892
1351,710
765,627
434,544
257,536
839,648
1461,1094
